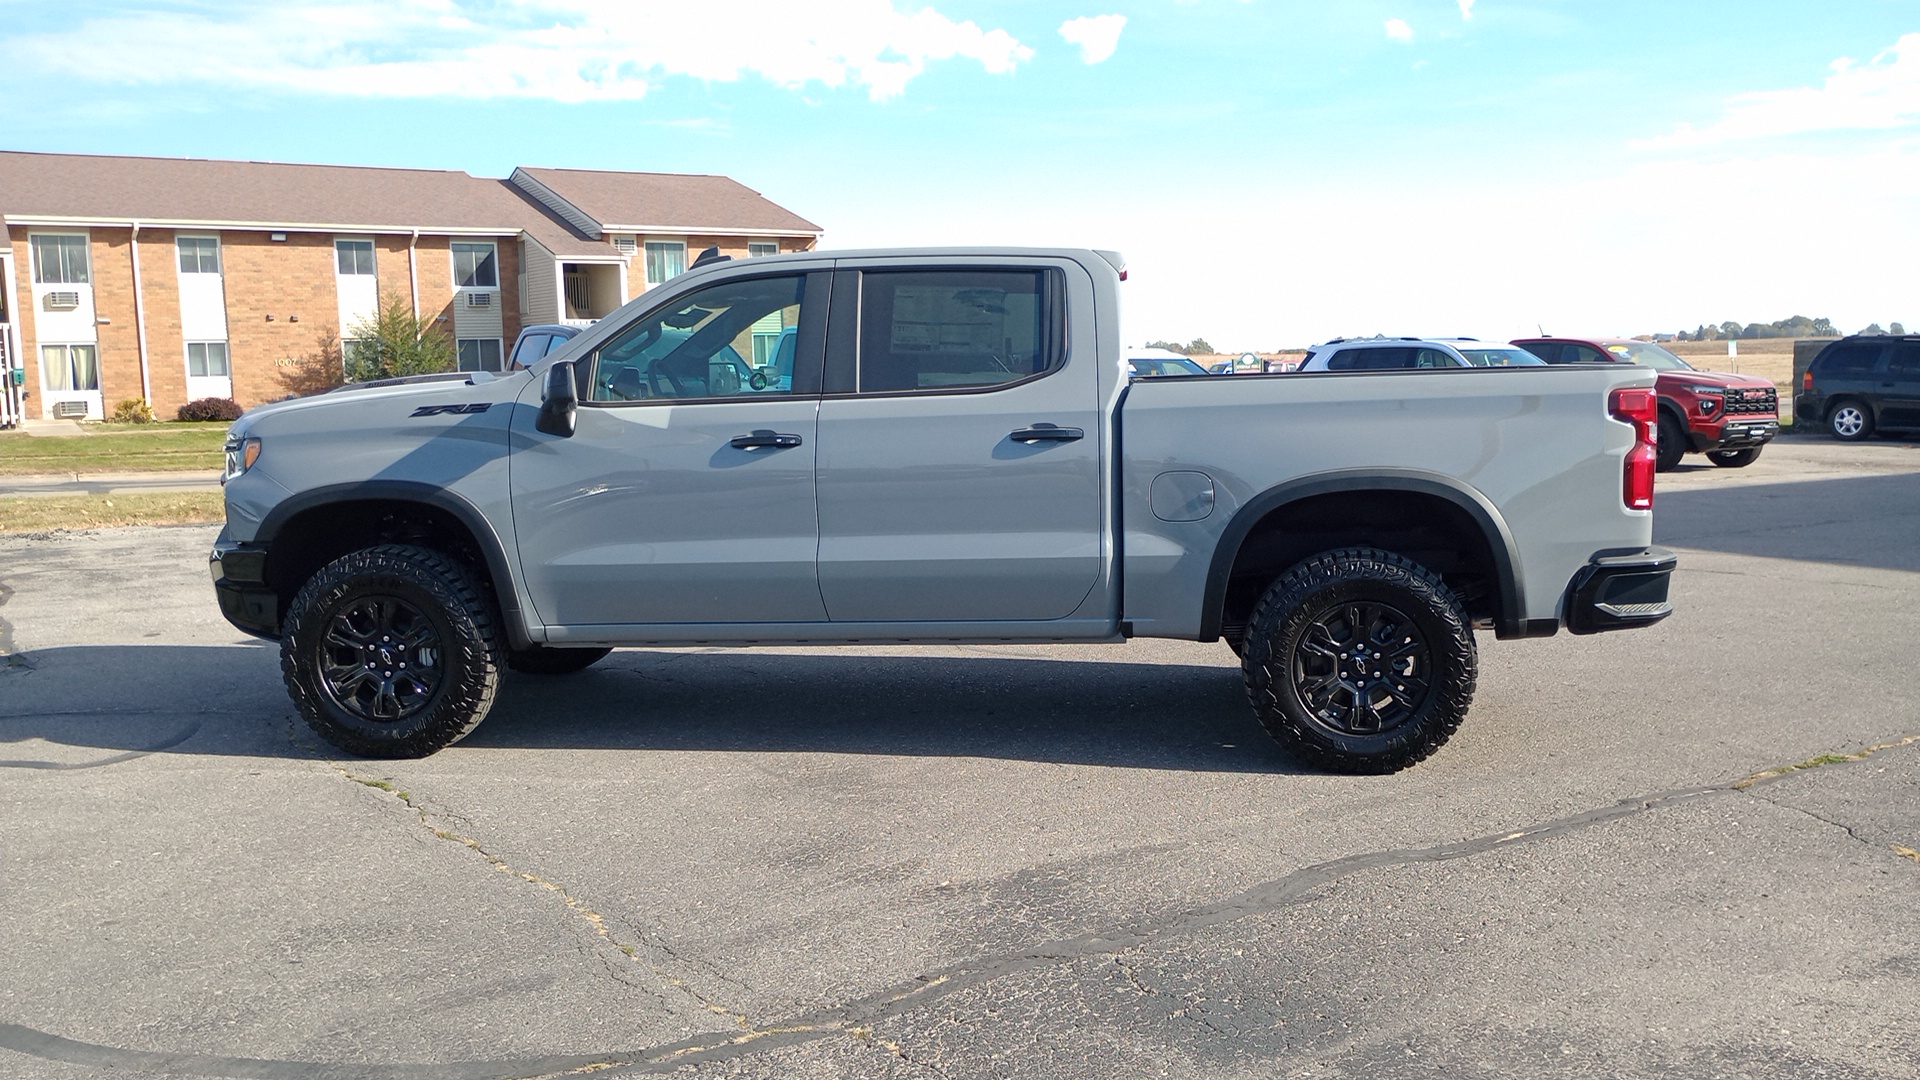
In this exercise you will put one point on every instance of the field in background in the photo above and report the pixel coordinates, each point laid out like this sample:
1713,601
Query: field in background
43,513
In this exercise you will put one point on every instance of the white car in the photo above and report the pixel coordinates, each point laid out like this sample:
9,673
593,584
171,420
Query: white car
1408,353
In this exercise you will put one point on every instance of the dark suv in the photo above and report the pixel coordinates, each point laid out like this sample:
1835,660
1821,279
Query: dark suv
1859,385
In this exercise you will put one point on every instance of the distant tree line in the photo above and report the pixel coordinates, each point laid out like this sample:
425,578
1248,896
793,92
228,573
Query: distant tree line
1797,327
1196,347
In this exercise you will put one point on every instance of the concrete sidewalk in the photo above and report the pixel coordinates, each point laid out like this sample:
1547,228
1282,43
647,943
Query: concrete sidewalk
107,483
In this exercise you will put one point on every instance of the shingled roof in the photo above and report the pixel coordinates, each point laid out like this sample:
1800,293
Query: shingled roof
191,192
663,202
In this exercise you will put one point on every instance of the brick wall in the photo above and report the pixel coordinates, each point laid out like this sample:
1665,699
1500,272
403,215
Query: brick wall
166,338
281,297
20,307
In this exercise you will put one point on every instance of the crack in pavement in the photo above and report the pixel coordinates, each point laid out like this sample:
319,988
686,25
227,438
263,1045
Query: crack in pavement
856,1019
573,903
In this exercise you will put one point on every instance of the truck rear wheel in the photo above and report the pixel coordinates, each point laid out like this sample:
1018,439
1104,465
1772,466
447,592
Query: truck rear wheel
1360,661
391,652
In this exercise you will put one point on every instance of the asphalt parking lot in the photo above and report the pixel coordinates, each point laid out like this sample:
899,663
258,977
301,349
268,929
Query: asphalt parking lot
967,862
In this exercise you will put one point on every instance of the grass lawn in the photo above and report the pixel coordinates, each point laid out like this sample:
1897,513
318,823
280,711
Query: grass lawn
39,513
174,447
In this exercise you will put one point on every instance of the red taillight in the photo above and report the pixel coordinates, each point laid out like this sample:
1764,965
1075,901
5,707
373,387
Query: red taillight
1806,381
1640,407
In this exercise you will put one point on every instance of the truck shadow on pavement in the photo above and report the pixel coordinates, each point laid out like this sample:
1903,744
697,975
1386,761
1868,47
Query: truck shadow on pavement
86,707
1856,521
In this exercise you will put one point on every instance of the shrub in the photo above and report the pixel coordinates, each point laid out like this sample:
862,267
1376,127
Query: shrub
211,408
396,342
133,411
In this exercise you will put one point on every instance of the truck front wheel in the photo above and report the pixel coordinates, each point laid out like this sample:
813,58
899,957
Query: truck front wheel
391,652
1360,661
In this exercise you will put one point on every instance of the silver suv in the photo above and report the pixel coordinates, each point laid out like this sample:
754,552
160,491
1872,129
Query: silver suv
1407,353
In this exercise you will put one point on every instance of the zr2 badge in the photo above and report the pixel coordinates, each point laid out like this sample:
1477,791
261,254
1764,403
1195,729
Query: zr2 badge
443,410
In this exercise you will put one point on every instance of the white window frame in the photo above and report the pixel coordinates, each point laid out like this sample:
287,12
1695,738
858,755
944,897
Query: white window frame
453,265
206,359
219,256
33,256
67,359
373,257
760,249
646,251
500,354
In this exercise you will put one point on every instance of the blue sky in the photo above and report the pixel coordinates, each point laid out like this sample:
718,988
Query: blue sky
1276,172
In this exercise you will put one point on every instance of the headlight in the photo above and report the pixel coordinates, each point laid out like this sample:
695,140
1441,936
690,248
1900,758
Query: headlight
241,454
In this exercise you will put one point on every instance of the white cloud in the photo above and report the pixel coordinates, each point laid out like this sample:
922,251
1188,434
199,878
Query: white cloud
1880,94
1097,35
1466,9
561,50
1398,30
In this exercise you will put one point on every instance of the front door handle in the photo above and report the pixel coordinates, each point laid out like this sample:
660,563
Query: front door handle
761,440
1046,433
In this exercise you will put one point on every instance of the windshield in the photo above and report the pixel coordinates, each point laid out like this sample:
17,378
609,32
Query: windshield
1166,367
1499,356
1648,355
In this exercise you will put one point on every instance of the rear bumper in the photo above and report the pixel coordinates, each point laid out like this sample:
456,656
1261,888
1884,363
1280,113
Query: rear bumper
1620,590
240,583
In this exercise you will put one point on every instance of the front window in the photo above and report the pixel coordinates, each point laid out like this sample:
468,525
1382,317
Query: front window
70,367
474,268
1499,356
207,359
479,354
354,257
700,348
952,329
60,260
665,261
1647,354
199,254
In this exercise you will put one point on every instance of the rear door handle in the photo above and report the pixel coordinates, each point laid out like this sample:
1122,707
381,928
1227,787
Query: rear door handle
1047,433
761,440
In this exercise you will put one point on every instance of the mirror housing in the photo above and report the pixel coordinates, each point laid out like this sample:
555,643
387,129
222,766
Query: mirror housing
559,402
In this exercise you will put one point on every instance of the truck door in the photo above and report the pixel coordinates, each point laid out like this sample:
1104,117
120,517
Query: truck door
960,448
685,494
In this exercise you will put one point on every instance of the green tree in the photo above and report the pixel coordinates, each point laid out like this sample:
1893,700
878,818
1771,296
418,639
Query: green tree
1896,328
1170,346
1873,328
397,342
1823,327
319,370
1706,333
1730,329
1198,347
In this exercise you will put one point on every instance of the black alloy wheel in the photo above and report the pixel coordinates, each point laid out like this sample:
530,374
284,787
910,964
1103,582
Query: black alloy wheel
382,659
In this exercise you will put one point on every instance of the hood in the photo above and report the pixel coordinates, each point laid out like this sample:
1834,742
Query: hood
353,394
1715,378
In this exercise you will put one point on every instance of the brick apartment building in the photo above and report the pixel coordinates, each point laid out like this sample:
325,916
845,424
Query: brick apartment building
176,279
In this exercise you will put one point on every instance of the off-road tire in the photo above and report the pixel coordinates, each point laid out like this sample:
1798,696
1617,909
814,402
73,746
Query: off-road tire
541,660
1672,444
1849,421
1294,651
352,646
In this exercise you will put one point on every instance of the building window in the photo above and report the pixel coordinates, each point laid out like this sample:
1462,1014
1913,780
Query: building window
479,354
60,260
199,254
70,367
473,267
355,257
208,359
756,249
665,261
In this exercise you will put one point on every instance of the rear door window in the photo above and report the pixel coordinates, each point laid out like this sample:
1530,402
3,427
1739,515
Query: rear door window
959,329
1851,358
1386,358
1904,364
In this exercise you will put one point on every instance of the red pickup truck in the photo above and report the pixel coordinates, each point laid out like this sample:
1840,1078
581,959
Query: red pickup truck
1727,417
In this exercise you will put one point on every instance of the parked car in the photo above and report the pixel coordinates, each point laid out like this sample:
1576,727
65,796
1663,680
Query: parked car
1390,354
1148,363
1727,417
1859,385
536,341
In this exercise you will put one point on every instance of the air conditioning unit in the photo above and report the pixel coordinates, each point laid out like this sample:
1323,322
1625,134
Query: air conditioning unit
625,245
62,300
70,410
479,299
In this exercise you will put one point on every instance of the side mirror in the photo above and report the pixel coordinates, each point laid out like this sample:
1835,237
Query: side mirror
559,402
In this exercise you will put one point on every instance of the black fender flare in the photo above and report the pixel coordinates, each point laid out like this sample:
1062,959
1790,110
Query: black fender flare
1511,622
411,491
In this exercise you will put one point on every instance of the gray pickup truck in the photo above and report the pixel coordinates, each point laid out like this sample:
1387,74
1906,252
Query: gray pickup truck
875,447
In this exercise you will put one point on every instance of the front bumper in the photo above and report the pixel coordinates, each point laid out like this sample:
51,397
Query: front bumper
1737,432
239,572
1620,590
